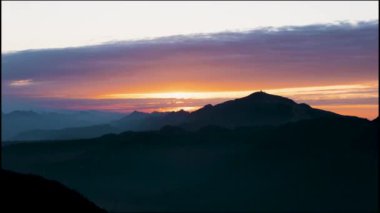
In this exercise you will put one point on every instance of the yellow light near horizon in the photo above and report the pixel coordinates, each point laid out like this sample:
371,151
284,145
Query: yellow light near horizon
367,89
177,95
176,109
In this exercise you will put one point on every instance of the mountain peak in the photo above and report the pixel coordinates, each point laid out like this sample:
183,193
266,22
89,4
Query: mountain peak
259,93
266,97
137,113
256,109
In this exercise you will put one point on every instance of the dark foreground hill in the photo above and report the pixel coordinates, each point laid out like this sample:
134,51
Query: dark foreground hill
316,165
257,109
31,193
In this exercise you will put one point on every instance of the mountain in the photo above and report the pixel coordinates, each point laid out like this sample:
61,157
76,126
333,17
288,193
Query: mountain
138,121
23,192
376,120
324,164
17,122
257,109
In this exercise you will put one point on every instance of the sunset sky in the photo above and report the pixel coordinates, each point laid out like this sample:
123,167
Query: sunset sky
163,56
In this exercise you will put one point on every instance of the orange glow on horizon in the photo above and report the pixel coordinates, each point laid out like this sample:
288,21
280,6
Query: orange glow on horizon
368,90
176,109
364,111
348,99
312,95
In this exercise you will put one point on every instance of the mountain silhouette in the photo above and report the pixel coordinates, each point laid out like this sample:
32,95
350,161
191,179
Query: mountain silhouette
139,121
257,109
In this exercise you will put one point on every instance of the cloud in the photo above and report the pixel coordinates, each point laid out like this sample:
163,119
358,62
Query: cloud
21,83
266,58
317,52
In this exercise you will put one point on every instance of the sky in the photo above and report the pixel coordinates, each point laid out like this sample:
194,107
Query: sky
163,56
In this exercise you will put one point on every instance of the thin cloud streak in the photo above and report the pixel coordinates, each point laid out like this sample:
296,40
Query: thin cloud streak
20,83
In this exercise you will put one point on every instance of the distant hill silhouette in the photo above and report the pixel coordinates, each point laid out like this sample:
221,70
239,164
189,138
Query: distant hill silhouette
31,193
138,121
257,109
24,122
323,164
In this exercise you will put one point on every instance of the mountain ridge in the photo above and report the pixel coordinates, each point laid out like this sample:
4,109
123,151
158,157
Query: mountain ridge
256,109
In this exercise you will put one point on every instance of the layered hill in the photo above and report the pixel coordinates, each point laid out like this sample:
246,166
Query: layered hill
257,109
19,122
